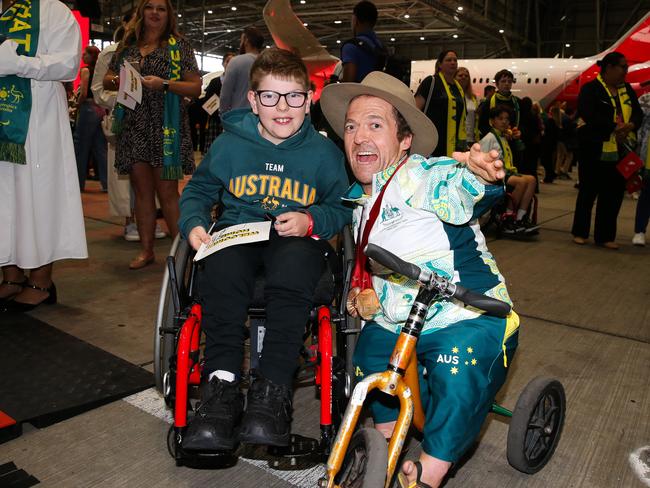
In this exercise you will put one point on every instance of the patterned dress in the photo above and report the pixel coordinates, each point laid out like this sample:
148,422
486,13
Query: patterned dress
141,138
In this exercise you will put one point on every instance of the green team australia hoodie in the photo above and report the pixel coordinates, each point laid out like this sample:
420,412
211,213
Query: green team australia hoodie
250,176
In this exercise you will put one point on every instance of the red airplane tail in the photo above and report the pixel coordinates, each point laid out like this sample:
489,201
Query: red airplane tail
635,43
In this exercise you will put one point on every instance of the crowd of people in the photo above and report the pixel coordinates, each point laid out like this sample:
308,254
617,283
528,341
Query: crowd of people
441,137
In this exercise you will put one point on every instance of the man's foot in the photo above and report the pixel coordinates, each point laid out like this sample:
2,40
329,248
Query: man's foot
581,241
411,476
639,239
268,414
217,416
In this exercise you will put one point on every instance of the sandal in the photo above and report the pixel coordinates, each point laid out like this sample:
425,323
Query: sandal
13,307
141,261
405,483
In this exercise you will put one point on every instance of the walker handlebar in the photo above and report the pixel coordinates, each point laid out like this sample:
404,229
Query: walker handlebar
394,263
491,305
389,260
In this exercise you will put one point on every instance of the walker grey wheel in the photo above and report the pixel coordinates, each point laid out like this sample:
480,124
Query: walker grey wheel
365,461
536,425
163,344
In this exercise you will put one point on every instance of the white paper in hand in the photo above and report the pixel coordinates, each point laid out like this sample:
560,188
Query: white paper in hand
133,82
211,105
129,93
235,235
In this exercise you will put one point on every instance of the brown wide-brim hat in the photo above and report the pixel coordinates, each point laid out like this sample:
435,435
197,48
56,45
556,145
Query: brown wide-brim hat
336,98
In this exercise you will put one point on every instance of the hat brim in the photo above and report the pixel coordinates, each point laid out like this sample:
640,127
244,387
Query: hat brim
335,99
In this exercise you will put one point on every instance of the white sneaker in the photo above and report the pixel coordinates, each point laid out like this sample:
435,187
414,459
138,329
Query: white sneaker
639,239
159,233
131,232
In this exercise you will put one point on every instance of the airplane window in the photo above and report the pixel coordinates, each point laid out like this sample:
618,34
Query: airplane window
544,80
529,81
474,80
514,81
536,80
480,80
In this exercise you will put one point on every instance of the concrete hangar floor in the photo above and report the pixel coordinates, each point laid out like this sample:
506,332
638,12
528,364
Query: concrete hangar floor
585,321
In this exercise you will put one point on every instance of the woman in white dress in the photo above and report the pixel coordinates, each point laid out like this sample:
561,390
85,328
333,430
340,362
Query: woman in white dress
41,219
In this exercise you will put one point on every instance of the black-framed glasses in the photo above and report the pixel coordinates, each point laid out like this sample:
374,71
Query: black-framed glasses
270,98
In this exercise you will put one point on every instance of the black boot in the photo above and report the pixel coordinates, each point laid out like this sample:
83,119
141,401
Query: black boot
267,420
217,416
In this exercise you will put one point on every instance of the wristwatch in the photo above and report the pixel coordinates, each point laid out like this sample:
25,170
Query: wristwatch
165,86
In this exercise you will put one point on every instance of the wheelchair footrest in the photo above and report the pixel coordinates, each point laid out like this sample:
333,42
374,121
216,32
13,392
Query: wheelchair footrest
301,452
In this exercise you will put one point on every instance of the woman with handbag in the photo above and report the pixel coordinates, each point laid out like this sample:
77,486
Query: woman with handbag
154,144
611,114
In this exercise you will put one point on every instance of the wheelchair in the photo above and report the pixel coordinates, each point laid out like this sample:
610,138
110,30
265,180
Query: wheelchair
496,217
327,358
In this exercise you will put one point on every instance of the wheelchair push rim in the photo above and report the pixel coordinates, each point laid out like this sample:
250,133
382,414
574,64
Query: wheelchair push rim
164,343
536,425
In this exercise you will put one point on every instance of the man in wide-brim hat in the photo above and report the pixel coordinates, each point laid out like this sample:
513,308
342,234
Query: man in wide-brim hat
425,211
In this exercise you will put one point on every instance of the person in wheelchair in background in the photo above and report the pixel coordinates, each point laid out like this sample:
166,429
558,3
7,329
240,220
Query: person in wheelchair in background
424,211
268,163
516,218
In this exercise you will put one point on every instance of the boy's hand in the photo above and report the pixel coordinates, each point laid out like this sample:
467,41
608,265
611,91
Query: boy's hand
198,236
486,166
292,224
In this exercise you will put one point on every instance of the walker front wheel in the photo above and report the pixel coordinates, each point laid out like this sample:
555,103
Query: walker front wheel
365,462
536,425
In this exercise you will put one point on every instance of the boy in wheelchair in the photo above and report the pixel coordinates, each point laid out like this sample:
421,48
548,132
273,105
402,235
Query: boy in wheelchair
517,218
268,163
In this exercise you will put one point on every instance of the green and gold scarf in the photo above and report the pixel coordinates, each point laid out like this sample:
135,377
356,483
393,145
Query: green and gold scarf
19,23
456,130
508,164
502,99
609,151
172,164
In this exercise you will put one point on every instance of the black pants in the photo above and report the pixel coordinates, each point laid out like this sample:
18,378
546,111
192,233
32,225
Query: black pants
292,268
598,180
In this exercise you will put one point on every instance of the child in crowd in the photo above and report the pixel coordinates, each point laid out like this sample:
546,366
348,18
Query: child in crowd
523,186
270,160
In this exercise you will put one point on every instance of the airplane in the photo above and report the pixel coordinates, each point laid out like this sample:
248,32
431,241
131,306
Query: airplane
548,80
289,33
545,80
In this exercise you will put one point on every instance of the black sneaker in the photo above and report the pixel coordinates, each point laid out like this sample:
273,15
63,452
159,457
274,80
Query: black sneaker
529,227
213,426
511,227
267,420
